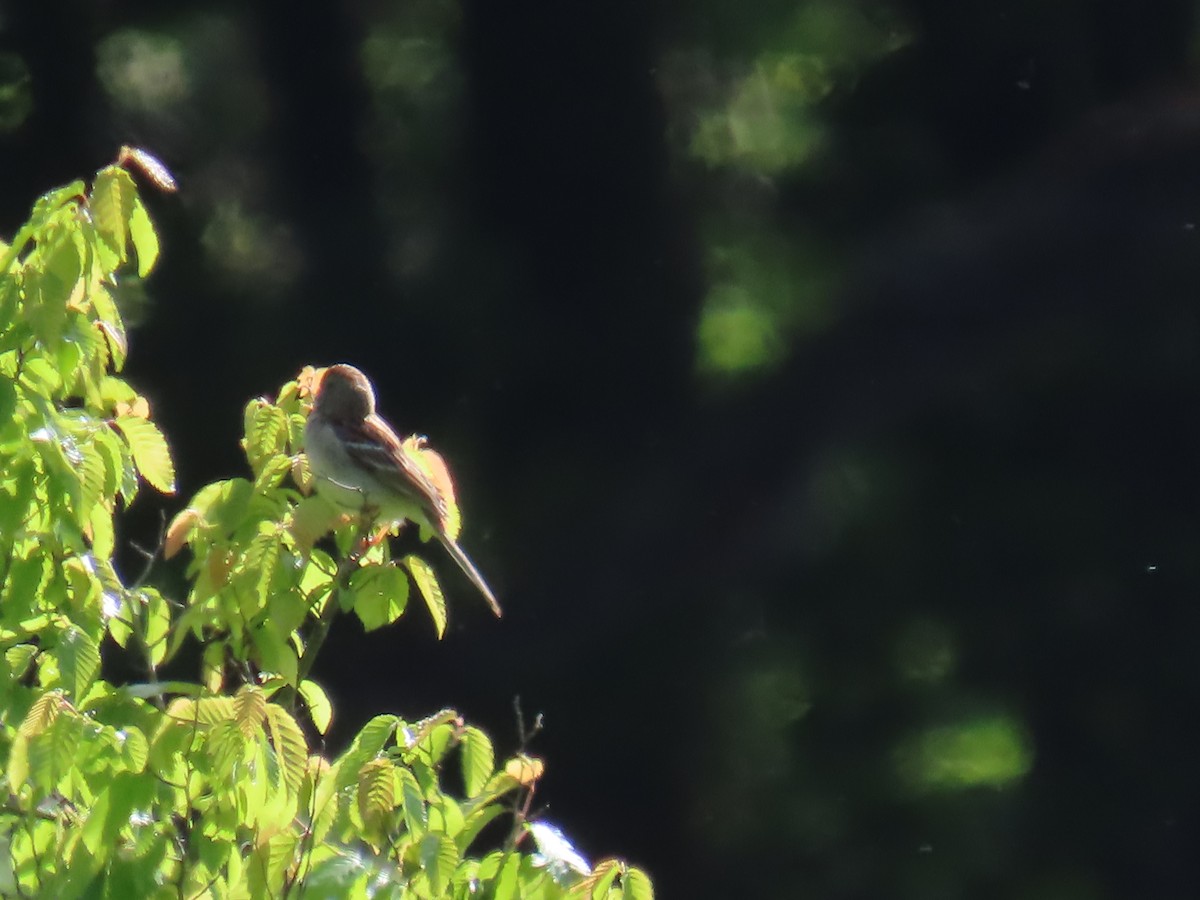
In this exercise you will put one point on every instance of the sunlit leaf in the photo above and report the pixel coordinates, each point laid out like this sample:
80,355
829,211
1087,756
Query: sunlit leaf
266,430
430,590
439,857
150,451
179,531
525,770
376,792
113,194
250,710
144,237
380,595
289,744
42,713
157,625
478,760
78,661
319,708
416,815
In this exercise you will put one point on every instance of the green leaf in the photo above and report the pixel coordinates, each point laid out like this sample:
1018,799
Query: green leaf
23,588
275,655
416,816
250,710
317,701
51,201
475,823
78,661
16,493
376,793
113,195
52,753
150,451
158,624
637,885
109,320
430,590
508,878
266,433
134,748
478,760
439,858
380,595
145,240
289,744
42,713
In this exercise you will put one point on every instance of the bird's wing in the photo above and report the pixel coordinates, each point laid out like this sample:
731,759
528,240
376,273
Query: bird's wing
380,452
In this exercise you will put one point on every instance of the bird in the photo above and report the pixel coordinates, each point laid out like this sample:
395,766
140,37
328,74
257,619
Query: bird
358,461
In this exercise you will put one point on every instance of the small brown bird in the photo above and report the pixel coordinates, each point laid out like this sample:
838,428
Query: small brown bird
360,463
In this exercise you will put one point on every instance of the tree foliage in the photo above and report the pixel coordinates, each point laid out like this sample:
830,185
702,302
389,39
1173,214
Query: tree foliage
209,787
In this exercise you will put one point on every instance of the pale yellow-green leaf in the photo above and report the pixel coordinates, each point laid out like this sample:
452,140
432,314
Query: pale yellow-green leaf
145,239
431,591
290,747
439,857
319,708
250,710
478,760
150,452
113,194
376,792
637,885
42,713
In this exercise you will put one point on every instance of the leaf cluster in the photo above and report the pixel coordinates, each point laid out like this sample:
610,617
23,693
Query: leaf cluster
216,787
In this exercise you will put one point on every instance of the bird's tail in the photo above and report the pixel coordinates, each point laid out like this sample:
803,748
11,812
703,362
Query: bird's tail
468,567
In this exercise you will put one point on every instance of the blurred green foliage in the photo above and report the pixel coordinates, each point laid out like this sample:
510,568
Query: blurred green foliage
16,95
748,98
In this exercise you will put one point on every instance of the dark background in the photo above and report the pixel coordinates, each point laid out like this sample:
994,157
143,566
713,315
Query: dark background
820,379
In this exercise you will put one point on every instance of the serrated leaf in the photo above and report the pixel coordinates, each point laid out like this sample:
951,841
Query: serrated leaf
637,885
113,194
134,748
475,823
42,713
376,792
507,884
311,519
52,752
204,711
431,591
144,237
439,858
53,200
276,655
157,623
250,710
380,595
78,661
478,760
266,430
109,321
320,710
100,531
289,744
416,815
150,452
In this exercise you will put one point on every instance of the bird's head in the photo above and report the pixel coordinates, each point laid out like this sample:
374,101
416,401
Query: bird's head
344,394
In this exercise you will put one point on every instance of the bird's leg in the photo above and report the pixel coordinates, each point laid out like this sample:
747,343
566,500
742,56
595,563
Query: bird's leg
371,536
